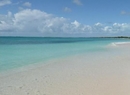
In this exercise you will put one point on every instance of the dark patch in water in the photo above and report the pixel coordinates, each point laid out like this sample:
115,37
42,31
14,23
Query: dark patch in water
41,40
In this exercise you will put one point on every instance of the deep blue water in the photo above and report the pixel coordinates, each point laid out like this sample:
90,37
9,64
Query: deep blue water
45,40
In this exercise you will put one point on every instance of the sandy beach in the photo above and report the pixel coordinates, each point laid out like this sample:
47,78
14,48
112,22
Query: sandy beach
104,73
64,47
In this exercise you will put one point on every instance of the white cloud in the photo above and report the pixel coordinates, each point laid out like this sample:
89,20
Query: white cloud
30,20
98,24
117,28
4,2
27,4
35,22
76,23
6,23
66,9
77,2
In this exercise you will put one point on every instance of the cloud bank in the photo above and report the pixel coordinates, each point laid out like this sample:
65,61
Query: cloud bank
29,22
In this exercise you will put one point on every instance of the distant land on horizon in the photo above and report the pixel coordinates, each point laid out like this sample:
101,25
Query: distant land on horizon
68,37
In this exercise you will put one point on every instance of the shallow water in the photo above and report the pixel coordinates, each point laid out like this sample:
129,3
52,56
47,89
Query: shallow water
21,51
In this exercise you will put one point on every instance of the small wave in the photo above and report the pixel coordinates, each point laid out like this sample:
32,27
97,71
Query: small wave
122,43
119,43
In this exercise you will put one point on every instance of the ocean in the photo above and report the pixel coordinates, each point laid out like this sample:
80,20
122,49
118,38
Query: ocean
18,52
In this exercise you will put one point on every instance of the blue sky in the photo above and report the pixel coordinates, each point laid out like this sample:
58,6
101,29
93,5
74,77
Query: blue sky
64,18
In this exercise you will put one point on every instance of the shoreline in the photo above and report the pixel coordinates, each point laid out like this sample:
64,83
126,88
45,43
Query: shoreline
76,75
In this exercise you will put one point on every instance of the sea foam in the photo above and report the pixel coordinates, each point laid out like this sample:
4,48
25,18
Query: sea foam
120,43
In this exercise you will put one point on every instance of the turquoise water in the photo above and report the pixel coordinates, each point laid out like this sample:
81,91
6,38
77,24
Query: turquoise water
21,51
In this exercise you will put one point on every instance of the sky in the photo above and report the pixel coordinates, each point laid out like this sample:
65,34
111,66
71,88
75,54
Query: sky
65,18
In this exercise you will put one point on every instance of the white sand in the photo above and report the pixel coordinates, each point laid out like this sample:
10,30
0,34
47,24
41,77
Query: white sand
104,73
